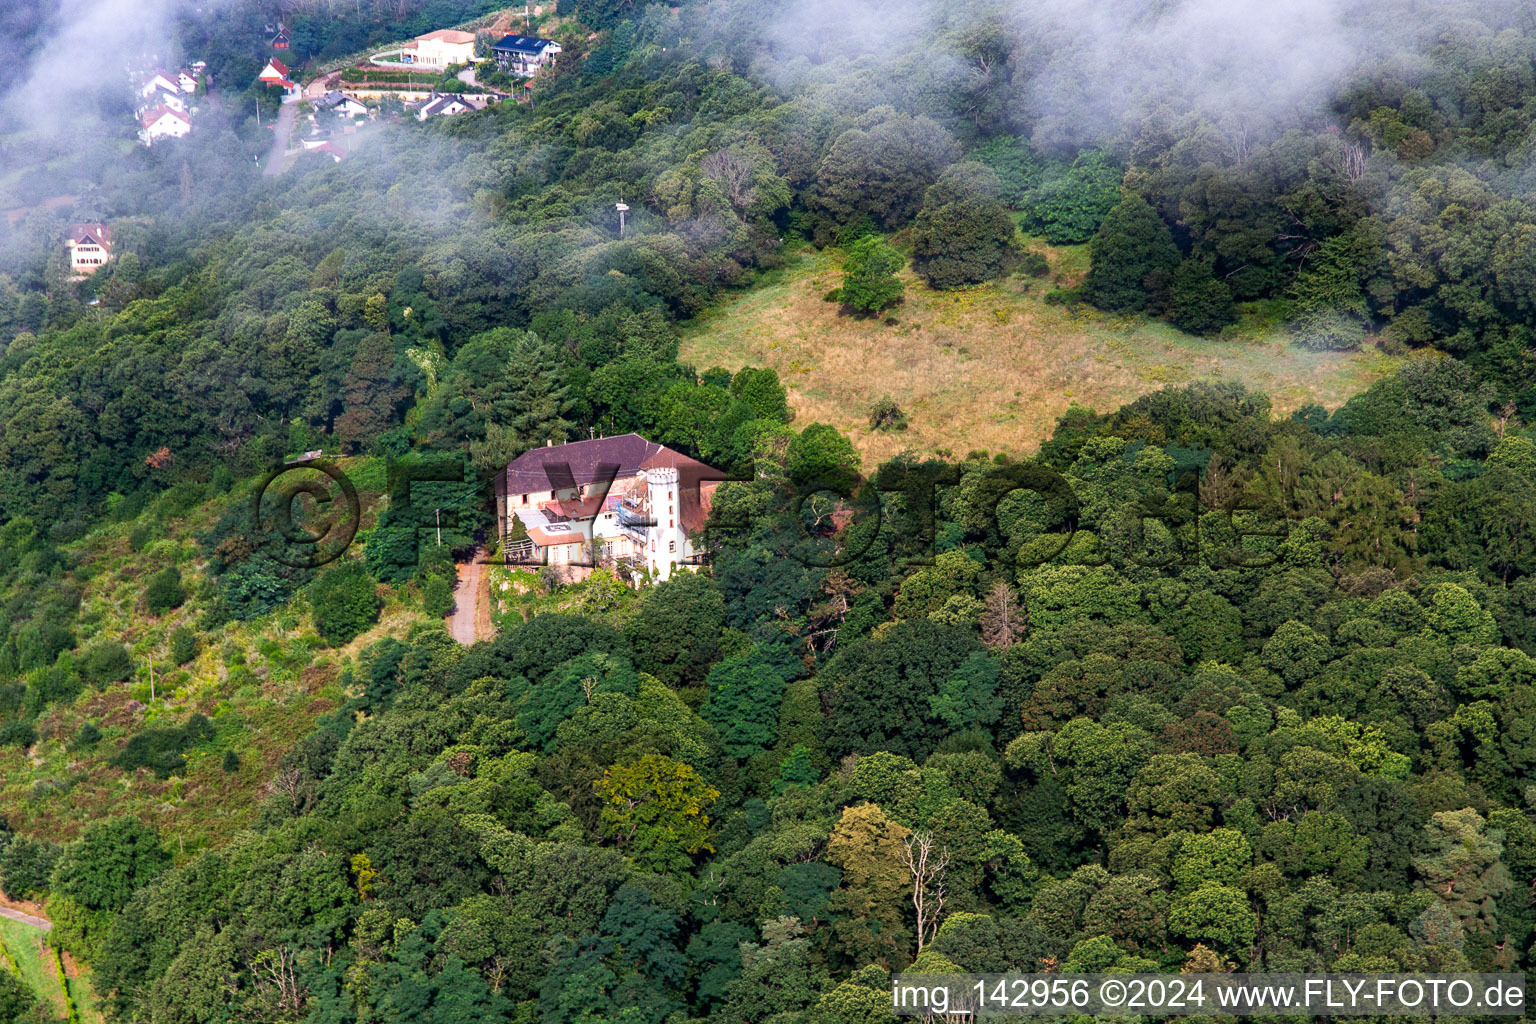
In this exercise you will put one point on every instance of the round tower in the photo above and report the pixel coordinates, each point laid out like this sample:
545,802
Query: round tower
667,537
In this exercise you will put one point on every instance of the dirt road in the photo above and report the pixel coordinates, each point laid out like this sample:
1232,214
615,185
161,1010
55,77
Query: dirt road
470,619
25,918
280,132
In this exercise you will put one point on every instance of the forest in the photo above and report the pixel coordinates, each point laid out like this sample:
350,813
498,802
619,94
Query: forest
1193,686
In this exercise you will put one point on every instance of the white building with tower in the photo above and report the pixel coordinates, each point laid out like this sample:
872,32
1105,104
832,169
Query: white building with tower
607,501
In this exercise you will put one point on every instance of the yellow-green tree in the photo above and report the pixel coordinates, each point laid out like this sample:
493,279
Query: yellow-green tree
658,810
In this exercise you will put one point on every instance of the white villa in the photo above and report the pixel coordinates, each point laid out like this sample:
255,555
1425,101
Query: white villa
440,49
602,501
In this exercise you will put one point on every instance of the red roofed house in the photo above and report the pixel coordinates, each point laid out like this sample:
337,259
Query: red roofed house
276,73
90,246
162,123
624,496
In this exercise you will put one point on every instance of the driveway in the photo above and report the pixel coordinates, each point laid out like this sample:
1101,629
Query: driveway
470,619
280,132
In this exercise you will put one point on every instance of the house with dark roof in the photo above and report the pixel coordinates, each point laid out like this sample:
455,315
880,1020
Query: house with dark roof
610,499
341,103
444,105
524,55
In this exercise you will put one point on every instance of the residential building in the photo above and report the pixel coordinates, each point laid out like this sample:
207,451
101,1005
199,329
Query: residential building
276,73
162,123
605,501
524,55
445,105
440,49
342,104
186,81
90,246
158,81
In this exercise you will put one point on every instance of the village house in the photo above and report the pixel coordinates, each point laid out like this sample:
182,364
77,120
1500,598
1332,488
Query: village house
162,123
440,49
276,73
90,246
342,104
605,501
157,80
524,55
444,105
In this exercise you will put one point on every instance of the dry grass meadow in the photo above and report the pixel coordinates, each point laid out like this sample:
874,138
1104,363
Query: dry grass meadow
990,367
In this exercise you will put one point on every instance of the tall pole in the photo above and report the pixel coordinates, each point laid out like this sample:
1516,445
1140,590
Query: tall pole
439,527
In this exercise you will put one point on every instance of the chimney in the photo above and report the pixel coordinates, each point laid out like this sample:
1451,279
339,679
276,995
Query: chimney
549,442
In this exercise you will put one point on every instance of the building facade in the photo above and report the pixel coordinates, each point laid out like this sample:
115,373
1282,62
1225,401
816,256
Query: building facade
608,501
90,246
524,55
440,49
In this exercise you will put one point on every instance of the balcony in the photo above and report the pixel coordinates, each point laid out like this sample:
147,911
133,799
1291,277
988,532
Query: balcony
633,518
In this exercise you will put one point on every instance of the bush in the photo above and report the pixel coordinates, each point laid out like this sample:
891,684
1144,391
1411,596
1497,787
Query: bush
231,762
165,591
17,734
87,736
963,234
106,662
161,750
346,602
437,596
1064,297
1033,264
26,865
184,645
887,415
139,539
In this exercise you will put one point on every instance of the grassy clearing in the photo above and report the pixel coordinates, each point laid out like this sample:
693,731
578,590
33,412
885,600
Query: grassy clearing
990,367
35,961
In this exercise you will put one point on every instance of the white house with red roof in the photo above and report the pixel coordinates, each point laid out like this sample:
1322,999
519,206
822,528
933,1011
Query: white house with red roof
90,247
276,73
607,499
162,122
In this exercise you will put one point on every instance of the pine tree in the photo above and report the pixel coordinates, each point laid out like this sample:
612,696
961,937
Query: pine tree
1133,256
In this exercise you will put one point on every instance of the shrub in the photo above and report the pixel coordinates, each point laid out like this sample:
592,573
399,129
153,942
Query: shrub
17,734
887,415
1063,297
165,591
106,662
231,761
139,539
87,736
161,750
184,644
1033,264
437,596
346,602
26,865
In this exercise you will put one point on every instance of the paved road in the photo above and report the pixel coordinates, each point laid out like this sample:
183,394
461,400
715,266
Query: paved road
284,128
24,918
470,619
